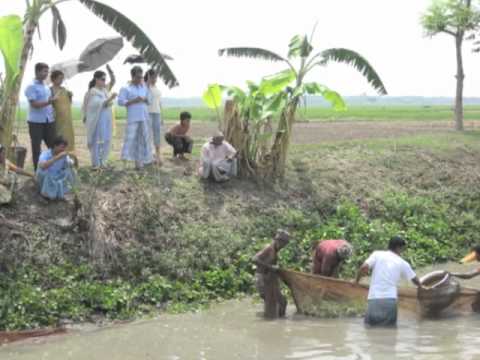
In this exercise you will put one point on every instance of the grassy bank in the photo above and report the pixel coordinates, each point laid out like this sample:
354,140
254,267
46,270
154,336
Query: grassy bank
139,242
353,113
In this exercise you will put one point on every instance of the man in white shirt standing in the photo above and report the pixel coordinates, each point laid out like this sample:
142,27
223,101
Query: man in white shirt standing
387,270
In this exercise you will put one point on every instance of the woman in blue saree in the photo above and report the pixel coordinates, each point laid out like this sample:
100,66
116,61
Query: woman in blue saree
55,174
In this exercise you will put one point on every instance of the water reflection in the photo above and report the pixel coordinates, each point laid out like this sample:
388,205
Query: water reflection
235,331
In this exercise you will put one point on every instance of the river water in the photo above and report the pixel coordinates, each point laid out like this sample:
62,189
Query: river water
235,330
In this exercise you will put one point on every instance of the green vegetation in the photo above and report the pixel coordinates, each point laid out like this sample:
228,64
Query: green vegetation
139,243
387,113
280,95
353,113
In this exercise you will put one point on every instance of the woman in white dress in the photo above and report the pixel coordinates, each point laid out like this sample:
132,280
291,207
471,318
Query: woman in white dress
97,108
155,111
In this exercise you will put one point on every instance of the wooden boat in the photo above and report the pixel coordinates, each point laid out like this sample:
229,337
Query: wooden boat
13,336
309,290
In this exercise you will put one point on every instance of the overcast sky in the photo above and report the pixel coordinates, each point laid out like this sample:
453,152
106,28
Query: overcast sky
386,32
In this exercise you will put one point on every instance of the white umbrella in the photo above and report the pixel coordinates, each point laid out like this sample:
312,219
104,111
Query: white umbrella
100,52
70,68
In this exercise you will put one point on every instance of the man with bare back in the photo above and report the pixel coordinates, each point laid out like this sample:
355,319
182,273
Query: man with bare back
266,277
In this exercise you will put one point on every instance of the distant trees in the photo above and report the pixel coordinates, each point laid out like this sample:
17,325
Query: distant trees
459,19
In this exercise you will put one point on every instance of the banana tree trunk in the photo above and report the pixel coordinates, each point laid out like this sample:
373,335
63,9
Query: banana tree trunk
460,77
237,134
282,140
11,96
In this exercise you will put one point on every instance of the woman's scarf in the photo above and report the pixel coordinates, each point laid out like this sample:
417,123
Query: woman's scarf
93,104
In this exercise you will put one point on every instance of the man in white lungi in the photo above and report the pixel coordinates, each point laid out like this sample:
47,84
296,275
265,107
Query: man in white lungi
387,269
134,97
218,160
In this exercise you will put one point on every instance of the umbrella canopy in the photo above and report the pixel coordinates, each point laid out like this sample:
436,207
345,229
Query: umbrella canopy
70,68
100,52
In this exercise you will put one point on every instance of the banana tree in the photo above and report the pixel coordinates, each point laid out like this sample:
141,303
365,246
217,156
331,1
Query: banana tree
35,9
250,129
11,43
300,50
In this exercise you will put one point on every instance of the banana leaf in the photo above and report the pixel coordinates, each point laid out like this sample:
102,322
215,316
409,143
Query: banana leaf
11,44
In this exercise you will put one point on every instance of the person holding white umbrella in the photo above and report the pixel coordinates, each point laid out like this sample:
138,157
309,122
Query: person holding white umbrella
97,108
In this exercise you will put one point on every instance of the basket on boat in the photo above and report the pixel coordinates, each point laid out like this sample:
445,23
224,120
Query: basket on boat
440,291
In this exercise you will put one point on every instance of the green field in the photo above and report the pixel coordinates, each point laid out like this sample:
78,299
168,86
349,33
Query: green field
354,113
382,113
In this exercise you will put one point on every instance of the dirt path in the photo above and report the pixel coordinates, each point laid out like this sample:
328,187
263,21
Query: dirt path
304,133
321,132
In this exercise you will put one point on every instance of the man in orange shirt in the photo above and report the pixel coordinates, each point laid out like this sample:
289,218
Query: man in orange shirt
474,255
328,256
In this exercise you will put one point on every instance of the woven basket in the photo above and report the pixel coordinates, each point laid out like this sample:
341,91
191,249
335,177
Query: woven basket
440,292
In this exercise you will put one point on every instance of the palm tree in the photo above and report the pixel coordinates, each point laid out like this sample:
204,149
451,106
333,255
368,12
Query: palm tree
300,49
118,21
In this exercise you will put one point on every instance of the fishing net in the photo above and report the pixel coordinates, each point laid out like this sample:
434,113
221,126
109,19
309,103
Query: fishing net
310,291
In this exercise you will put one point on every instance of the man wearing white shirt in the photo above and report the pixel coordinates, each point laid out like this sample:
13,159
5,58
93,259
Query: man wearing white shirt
387,270
218,159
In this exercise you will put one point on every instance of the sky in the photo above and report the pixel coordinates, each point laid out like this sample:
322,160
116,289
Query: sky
386,32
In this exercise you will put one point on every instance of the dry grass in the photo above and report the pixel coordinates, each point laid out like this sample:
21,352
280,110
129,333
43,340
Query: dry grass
314,133
121,210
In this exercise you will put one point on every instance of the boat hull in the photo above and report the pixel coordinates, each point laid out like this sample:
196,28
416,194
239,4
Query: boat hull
309,291
14,336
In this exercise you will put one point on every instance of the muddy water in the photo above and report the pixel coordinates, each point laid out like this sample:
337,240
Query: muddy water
235,330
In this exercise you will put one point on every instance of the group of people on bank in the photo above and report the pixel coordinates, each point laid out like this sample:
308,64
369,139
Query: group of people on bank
50,122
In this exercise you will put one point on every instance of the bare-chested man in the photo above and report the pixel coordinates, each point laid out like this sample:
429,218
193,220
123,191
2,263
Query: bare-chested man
266,277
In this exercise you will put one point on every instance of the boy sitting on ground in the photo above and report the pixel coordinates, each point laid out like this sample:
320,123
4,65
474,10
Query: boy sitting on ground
178,137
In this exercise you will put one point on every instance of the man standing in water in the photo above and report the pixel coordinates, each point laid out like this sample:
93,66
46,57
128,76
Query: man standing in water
387,269
266,278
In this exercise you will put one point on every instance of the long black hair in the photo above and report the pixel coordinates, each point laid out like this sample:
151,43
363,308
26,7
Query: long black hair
149,74
96,75
56,74
59,140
